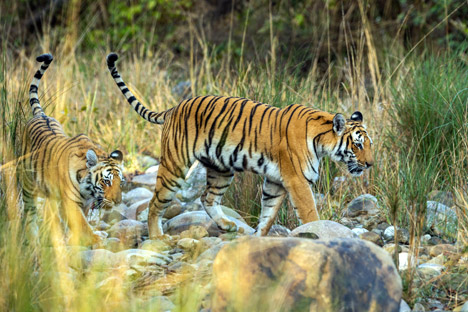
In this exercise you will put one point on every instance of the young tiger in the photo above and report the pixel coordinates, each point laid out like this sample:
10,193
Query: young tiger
72,170
229,134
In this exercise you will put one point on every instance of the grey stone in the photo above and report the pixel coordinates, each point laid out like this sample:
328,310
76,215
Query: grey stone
402,234
418,307
362,205
404,307
442,219
147,179
157,246
293,274
136,195
129,232
135,209
142,257
98,258
184,221
324,229
359,231
372,237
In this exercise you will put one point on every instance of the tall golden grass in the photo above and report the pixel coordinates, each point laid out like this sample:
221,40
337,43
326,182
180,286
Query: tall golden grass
78,91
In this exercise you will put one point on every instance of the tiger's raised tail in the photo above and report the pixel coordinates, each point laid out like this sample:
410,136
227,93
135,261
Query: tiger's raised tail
157,118
36,108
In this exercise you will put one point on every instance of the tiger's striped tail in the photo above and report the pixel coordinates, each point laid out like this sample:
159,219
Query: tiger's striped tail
153,117
36,108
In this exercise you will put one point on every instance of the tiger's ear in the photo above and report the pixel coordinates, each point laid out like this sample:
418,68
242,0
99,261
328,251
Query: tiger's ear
339,123
356,116
117,155
91,158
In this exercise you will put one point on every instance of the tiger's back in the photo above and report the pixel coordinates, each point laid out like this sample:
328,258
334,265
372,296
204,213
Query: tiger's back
229,134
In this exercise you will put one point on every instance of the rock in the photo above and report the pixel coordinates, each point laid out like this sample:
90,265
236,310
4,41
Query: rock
372,237
102,226
141,257
98,258
188,243
442,219
430,270
359,231
445,198
403,261
324,229
293,274
418,307
135,209
195,232
425,239
113,244
129,232
112,216
157,303
147,179
279,230
211,252
184,221
382,226
152,169
145,161
232,213
404,307
155,245
362,205
390,248
136,195
402,235
442,249
195,184
175,209
463,308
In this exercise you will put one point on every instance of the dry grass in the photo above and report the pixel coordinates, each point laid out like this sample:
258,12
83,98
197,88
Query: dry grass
79,92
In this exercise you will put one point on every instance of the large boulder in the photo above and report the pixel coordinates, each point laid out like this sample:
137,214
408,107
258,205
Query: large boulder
294,274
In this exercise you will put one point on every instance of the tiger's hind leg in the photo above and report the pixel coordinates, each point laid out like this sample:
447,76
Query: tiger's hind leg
272,196
167,184
217,184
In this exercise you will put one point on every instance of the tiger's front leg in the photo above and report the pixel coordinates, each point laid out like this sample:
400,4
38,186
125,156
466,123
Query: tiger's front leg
217,184
167,185
81,231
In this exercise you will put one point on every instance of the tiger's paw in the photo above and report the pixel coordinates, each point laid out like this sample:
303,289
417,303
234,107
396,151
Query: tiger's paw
226,224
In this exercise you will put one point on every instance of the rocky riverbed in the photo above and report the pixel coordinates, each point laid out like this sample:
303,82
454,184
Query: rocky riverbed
319,266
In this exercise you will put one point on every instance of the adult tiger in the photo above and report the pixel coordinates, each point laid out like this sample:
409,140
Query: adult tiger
228,134
72,170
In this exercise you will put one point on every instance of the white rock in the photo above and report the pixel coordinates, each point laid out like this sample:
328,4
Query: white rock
152,169
404,307
135,195
435,268
145,179
359,231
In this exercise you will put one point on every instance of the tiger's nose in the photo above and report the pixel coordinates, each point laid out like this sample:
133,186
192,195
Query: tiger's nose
369,164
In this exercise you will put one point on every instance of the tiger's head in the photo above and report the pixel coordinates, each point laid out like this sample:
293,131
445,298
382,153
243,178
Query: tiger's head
353,145
102,185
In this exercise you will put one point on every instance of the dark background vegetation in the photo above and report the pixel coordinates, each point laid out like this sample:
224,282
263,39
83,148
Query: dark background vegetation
304,30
